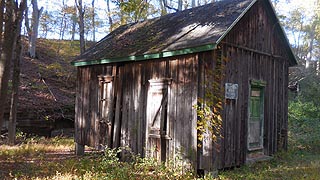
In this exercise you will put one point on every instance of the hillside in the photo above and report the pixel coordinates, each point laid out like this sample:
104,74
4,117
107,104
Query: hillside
47,89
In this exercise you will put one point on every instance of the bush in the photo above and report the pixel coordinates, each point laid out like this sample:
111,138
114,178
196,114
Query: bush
110,167
304,125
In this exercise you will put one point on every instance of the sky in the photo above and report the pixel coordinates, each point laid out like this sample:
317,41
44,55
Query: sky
284,6
101,5
308,5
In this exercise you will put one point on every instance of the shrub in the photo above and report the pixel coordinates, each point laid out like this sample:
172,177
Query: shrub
304,125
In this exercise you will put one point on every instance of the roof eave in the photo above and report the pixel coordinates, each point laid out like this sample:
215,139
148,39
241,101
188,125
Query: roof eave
143,57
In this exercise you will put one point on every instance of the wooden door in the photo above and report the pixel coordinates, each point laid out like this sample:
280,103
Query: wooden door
255,123
106,110
157,119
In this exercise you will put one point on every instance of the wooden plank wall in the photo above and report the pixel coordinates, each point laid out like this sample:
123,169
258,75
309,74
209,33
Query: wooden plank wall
131,83
253,51
86,118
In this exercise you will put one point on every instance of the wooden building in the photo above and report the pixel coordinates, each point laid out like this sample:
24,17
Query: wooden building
138,86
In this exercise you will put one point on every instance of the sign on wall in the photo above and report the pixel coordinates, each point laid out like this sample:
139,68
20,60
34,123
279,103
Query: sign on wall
231,91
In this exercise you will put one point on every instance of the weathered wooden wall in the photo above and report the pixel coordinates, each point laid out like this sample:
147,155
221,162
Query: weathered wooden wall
131,88
253,51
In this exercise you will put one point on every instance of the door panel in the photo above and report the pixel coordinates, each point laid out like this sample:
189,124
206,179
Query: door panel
157,119
106,109
255,124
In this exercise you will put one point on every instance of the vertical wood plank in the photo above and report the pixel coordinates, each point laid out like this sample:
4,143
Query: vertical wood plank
194,101
173,126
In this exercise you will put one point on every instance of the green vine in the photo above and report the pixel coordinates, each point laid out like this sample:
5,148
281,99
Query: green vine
209,108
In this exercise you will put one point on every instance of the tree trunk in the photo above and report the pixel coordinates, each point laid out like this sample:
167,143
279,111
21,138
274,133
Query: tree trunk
180,5
16,73
63,22
74,24
163,8
310,49
2,4
109,16
318,68
93,22
193,3
81,25
6,57
33,34
63,26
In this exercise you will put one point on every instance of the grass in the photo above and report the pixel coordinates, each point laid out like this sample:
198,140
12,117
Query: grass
59,48
294,164
41,158
301,161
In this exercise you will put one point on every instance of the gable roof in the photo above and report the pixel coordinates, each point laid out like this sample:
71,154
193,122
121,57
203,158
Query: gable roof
189,31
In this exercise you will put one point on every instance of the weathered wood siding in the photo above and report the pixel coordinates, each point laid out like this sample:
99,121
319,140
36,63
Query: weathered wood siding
253,51
129,124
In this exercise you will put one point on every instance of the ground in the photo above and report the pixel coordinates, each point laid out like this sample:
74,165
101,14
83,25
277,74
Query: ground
53,158
49,71
35,157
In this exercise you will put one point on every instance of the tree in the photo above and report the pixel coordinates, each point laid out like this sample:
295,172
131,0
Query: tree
193,3
169,7
109,16
6,54
93,21
74,23
68,21
81,24
311,36
294,24
33,30
163,10
63,21
47,23
180,5
2,5
133,11
16,70
304,31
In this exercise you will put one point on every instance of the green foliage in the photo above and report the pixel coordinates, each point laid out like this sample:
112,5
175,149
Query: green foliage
209,108
304,114
110,167
304,125
133,11
57,69
301,161
309,88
